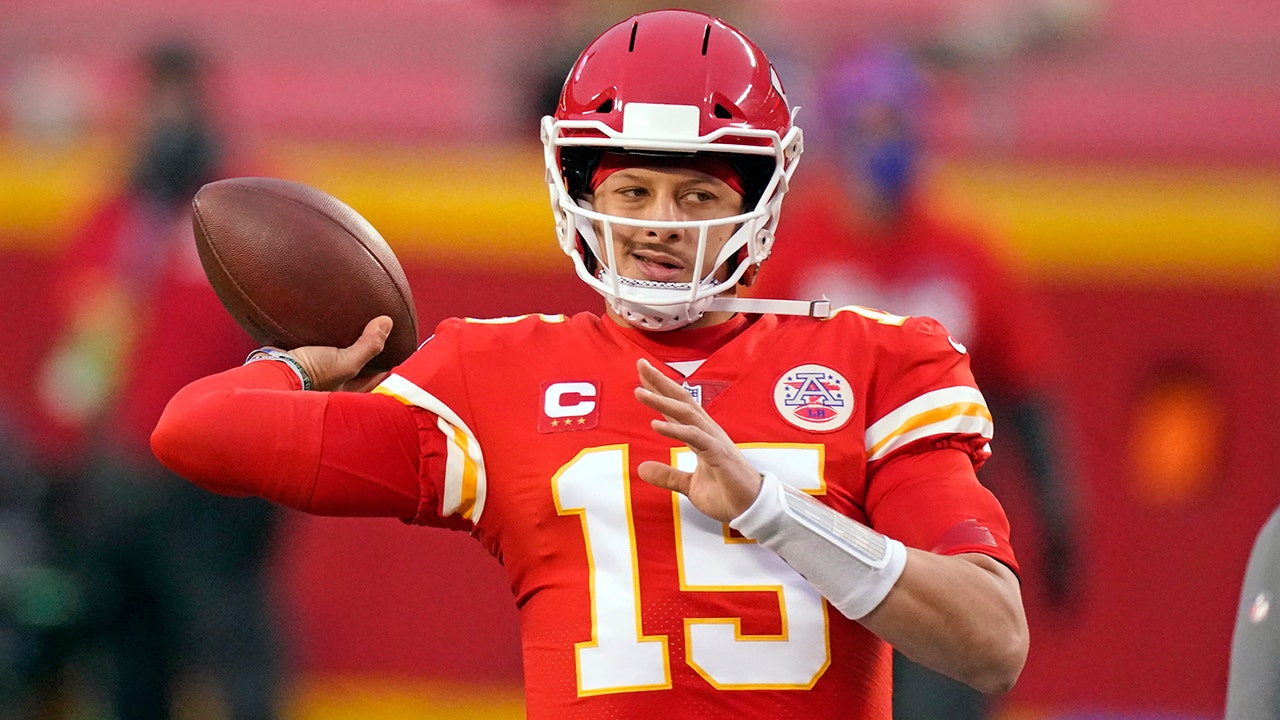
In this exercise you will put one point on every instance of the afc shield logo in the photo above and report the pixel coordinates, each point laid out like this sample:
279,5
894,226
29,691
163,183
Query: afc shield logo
814,397
569,406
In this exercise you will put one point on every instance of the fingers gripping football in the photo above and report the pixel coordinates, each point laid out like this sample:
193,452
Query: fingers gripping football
332,368
724,484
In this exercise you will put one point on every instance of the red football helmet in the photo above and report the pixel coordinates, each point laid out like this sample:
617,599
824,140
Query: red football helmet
670,82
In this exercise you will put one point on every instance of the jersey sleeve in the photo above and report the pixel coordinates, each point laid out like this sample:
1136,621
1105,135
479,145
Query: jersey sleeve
929,429
924,395
932,500
433,383
251,431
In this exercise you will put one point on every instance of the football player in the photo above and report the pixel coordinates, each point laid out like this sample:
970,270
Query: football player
707,505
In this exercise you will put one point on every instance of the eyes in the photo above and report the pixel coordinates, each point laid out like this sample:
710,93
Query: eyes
695,196
668,194
698,199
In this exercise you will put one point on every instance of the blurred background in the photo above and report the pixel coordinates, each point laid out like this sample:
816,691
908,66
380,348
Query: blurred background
1123,155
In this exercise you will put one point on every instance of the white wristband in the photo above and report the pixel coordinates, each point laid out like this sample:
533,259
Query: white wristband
853,566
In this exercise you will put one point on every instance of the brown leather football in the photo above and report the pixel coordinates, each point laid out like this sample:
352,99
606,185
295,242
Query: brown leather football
296,266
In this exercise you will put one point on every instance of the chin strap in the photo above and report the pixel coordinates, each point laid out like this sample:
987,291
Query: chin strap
813,308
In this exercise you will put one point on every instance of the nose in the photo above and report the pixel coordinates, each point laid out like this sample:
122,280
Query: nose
664,208
666,235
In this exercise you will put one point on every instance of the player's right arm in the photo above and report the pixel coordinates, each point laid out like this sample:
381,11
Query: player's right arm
248,431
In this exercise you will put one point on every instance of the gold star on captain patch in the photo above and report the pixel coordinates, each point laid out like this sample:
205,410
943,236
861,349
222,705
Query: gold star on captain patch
582,421
555,423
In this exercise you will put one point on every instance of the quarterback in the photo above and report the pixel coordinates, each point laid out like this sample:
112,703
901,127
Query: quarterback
708,506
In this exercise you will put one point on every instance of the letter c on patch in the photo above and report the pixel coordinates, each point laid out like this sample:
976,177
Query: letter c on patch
569,399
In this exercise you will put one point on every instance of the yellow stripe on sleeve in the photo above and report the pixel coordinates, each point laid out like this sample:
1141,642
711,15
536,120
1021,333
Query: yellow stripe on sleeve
465,481
948,411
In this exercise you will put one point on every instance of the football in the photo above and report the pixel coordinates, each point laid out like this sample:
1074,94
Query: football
295,266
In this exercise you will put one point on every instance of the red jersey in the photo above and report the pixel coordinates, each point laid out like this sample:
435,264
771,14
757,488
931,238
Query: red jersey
631,600
526,433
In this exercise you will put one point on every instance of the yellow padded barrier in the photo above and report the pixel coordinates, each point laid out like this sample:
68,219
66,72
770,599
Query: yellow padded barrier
488,205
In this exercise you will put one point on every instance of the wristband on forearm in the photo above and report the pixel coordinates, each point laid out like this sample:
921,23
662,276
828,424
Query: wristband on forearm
270,353
853,566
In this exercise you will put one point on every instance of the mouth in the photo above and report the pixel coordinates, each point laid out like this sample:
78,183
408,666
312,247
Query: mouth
659,267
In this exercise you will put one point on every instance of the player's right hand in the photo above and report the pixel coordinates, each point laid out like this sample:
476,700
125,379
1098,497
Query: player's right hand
334,368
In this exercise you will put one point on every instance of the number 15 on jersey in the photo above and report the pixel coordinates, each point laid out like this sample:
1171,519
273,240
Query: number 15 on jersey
619,657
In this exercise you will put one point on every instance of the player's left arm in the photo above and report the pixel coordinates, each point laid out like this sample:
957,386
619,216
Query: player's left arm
957,606
961,614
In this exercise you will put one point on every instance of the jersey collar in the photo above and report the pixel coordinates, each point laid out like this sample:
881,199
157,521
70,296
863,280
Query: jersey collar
684,344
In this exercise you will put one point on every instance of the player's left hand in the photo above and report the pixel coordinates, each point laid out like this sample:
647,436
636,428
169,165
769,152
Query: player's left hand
724,484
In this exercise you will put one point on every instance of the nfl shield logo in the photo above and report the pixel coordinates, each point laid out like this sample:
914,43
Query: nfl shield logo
695,391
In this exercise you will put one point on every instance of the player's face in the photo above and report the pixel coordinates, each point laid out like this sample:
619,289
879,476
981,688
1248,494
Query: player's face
665,194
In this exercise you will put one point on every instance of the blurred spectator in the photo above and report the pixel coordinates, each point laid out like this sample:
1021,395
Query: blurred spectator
41,603
872,239
175,576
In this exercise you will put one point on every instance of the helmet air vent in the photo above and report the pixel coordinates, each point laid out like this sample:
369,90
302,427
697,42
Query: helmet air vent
632,47
706,38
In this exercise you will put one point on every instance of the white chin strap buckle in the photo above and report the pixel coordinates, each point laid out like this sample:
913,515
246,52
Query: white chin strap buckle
820,308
